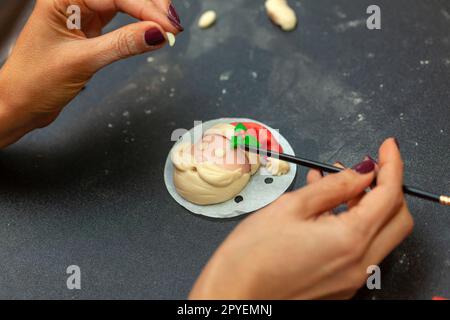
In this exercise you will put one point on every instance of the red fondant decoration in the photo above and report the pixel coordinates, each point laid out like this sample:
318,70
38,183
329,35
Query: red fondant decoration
264,136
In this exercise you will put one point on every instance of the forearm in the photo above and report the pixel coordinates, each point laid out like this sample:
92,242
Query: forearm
22,107
15,120
13,124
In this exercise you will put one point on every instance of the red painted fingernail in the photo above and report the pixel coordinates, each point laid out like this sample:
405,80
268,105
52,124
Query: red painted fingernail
396,142
154,37
364,167
174,18
173,13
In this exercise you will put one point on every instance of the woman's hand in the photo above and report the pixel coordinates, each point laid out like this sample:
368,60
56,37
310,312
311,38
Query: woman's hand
296,249
50,64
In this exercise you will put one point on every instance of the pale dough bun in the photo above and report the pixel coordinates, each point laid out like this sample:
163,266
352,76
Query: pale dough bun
191,186
211,172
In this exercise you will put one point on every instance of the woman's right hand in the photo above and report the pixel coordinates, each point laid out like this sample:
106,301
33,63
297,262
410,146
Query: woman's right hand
297,249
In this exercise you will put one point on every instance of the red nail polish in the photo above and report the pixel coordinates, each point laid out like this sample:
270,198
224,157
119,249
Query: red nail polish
396,142
174,18
364,167
154,37
173,13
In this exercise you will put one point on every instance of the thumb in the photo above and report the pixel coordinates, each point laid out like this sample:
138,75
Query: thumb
125,42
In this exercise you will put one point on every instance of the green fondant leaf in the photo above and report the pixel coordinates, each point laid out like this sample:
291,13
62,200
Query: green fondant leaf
240,127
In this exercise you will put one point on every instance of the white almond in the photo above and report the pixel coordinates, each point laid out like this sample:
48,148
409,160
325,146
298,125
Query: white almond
171,38
281,14
207,19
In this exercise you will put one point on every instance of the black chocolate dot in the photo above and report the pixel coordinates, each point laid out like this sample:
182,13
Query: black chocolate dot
238,199
268,180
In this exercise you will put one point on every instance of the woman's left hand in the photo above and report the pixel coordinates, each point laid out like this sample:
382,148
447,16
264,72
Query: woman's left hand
50,64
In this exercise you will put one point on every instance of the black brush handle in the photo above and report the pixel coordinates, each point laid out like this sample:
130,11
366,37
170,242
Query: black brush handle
444,200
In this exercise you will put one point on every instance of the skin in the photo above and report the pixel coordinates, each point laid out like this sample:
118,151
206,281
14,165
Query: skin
295,248
50,64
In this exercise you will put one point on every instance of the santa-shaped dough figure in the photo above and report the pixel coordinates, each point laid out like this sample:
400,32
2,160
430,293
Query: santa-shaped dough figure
215,169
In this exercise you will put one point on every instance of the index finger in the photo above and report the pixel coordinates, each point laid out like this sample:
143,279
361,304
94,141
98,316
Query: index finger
380,204
144,10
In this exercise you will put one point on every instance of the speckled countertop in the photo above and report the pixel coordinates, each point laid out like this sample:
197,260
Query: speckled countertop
89,190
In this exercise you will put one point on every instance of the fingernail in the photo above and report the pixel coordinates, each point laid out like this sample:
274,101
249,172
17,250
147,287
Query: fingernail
364,167
154,37
371,159
173,13
396,142
340,164
374,183
174,18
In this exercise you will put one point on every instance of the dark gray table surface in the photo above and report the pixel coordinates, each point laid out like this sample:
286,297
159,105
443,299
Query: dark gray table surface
89,190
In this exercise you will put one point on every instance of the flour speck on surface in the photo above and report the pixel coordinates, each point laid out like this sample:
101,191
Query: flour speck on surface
355,98
340,13
357,101
360,117
163,69
225,76
446,14
342,27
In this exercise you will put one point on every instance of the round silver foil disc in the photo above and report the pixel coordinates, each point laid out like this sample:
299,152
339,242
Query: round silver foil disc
262,189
